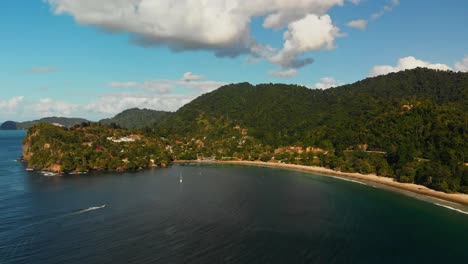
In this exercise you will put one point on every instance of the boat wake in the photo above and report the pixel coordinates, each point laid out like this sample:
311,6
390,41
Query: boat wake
89,209
451,208
63,216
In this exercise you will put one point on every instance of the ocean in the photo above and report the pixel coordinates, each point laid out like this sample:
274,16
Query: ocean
216,214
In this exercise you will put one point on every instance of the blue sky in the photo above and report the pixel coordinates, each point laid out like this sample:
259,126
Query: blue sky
81,58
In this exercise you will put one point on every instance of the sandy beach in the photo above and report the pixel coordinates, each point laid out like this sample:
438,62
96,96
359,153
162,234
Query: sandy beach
458,198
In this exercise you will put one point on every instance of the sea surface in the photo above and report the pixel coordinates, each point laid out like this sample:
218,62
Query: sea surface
217,214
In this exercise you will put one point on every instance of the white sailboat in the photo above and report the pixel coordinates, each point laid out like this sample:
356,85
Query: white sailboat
180,178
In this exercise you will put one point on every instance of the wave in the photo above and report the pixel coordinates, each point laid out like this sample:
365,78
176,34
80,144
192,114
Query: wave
89,209
350,180
451,208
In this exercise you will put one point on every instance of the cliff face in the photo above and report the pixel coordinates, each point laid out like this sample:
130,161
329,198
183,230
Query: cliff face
28,155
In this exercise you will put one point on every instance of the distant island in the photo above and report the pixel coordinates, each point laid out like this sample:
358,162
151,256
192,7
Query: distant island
9,125
130,118
58,121
410,126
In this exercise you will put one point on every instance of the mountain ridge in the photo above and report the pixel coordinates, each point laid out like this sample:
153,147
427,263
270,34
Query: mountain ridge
409,125
136,118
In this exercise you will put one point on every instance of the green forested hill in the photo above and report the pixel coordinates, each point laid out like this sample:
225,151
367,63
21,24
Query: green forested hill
410,125
136,118
419,118
286,114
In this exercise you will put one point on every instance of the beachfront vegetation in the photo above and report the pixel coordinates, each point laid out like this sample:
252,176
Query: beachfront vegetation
409,125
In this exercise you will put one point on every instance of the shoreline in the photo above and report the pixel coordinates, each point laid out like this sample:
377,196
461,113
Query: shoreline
409,189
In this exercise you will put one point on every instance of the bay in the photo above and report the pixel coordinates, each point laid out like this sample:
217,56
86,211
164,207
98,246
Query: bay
217,214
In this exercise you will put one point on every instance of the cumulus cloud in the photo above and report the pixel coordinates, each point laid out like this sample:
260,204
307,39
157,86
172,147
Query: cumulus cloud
327,82
284,74
113,103
359,24
308,34
462,65
282,13
11,105
407,63
220,26
42,70
49,107
211,24
163,86
158,94
189,76
154,94
104,106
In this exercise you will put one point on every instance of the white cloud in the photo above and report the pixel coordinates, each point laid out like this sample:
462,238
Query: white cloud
462,65
11,105
186,24
110,104
285,12
158,94
49,107
407,63
43,70
202,86
308,34
104,106
359,24
189,76
327,82
164,86
220,26
285,73
155,94
387,8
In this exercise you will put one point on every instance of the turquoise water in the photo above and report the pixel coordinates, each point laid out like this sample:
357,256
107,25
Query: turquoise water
218,214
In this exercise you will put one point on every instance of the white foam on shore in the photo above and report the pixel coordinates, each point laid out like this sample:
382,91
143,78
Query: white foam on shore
350,180
49,174
451,208
77,173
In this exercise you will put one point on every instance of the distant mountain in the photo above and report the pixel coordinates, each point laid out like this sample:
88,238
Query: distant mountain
137,118
64,121
9,125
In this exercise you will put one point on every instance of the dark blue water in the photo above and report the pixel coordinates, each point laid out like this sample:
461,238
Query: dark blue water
218,214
